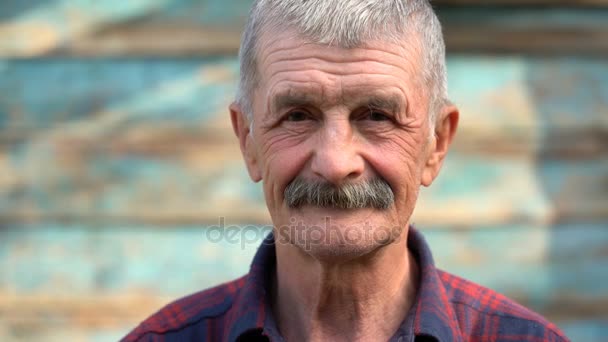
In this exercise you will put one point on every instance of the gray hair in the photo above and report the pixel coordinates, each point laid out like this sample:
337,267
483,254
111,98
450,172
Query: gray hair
374,193
347,24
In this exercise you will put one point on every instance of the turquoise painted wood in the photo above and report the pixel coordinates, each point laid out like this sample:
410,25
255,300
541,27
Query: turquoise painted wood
546,268
470,191
116,156
121,134
116,28
516,97
43,95
538,264
522,18
60,11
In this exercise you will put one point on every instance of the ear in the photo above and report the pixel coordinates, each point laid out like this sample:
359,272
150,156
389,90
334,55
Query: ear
241,128
445,128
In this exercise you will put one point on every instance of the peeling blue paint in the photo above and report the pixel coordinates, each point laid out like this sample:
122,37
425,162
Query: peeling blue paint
42,94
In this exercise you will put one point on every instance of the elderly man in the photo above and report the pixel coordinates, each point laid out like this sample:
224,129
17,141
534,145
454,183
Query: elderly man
342,113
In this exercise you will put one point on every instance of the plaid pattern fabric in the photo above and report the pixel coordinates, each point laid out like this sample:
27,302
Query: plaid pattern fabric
447,308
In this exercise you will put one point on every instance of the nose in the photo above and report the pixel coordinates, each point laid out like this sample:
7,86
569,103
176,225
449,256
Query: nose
336,158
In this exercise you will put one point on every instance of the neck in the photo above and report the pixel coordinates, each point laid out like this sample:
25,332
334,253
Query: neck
357,300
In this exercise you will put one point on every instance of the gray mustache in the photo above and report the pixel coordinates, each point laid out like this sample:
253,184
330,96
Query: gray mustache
374,193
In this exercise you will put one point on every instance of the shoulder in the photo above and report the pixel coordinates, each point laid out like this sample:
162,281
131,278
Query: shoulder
205,305
484,312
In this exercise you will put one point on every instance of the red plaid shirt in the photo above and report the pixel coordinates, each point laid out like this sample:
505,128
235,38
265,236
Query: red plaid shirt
447,308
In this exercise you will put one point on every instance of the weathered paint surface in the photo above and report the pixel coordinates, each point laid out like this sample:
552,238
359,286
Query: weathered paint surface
508,97
528,261
43,27
126,141
543,267
118,28
47,95
113,169
122,134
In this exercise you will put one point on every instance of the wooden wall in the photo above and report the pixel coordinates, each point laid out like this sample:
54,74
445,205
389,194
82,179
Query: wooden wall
117,160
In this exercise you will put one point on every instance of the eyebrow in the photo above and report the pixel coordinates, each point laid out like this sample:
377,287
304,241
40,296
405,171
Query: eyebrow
392,103
290,99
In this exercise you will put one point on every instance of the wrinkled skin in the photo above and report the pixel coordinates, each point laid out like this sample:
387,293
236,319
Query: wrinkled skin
342,115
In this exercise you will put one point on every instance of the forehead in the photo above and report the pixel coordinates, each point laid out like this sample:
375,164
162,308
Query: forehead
274,44
306,65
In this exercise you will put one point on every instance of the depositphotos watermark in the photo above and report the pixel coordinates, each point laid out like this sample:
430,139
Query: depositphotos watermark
298,233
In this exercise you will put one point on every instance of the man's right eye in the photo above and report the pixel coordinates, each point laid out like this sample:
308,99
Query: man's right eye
296,115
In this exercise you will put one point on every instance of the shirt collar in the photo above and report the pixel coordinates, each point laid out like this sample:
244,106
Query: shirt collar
252,310
433,315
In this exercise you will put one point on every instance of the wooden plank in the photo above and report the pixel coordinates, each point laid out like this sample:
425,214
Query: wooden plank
481,190
119,134
212,27
103,277
167,39
538,263
520,30
152,27
579,330
470,191
511,105
548,107
522,3
101,96
83,318
593,330
58,332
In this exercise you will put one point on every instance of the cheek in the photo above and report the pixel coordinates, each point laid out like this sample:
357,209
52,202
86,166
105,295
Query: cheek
399,160
282,159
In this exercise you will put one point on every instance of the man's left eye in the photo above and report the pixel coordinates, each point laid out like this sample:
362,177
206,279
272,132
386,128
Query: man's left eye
377,116
297,115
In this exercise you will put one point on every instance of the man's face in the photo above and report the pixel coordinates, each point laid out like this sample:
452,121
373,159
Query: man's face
338,116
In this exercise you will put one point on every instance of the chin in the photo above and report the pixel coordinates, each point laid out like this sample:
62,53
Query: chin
338,238
339,253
